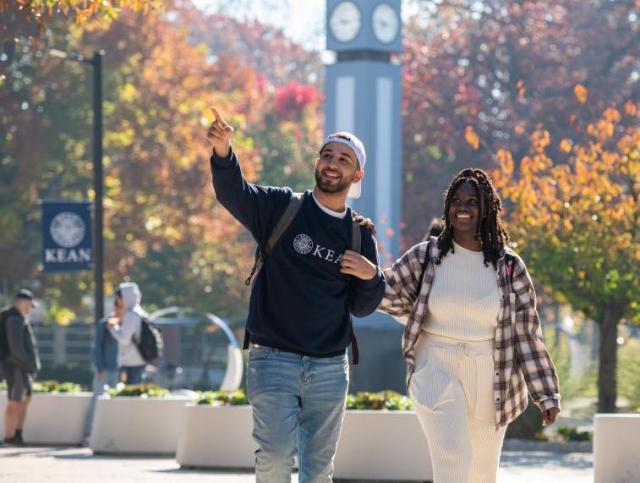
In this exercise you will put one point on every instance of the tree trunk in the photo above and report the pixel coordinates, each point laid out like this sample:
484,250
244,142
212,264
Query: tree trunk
607,366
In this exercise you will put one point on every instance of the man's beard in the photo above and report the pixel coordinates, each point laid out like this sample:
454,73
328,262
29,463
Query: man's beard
343,185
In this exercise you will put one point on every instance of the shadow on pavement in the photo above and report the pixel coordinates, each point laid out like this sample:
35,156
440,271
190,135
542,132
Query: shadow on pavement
547,460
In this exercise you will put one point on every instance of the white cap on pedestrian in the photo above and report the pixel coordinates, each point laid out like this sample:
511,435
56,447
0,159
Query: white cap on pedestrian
357,147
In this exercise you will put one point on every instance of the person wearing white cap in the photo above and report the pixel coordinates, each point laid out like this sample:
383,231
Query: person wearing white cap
307,284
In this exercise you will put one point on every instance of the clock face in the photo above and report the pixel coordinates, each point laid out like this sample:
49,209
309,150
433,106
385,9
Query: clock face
345,21
385,23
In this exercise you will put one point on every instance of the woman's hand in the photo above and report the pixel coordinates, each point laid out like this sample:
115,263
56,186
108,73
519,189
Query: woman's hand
355,264
549,416
362,221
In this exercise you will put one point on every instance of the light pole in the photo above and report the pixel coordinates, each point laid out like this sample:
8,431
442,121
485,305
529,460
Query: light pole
98,183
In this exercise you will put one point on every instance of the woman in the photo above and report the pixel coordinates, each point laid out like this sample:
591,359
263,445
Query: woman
473,342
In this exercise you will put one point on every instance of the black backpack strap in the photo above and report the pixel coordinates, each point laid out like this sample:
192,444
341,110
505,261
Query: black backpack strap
356,246
278,232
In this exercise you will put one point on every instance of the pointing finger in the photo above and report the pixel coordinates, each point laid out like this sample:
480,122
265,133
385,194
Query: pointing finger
217,115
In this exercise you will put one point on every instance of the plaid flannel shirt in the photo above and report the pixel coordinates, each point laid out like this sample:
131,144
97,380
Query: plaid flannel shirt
522,364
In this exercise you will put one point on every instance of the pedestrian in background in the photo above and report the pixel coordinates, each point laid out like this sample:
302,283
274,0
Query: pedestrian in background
20,363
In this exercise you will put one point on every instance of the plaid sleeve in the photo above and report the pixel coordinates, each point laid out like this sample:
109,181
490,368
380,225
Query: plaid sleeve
531,354
403,282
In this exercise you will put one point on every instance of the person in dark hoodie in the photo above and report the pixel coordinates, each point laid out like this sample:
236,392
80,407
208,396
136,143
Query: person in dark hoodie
299,322
126,328
20,364
105,362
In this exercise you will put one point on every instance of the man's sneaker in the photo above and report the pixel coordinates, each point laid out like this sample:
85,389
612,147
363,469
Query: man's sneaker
14,441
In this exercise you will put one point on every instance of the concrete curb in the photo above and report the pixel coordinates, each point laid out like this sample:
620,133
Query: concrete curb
514,444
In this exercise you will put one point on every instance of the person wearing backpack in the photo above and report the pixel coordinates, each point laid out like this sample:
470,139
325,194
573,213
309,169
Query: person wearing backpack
304,292
473,341
20,363
126,328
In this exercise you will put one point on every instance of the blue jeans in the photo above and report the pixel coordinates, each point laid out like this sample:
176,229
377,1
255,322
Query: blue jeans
298,403
133,374
110,380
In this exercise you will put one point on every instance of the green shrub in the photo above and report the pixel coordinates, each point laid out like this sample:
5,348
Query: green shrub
139,390
3,386
528,425
55,387
389,400
572,434
629,373
223,398
72,372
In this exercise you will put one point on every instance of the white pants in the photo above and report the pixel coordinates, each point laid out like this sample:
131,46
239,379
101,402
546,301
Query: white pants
452,390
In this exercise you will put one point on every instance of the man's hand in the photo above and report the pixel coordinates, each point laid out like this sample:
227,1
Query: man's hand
355,264
219,134
101,375
113,321
549,416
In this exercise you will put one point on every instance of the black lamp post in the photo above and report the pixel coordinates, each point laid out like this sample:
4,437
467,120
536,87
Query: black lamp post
98,178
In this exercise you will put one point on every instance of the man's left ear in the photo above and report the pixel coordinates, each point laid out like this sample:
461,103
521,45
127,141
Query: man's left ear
359,175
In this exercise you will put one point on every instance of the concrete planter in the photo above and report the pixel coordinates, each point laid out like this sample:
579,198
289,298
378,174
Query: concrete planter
54,419
373,445
216,437
616,443
136,425
382,445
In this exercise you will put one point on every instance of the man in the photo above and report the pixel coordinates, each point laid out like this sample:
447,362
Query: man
126,328
21,363
105,361
299,321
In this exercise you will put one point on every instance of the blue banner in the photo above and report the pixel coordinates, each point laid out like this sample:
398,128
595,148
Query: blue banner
66,236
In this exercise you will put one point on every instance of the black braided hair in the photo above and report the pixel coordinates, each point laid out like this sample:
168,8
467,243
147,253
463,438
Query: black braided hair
491,232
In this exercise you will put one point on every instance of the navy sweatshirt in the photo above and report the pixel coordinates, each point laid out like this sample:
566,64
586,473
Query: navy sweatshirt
301,302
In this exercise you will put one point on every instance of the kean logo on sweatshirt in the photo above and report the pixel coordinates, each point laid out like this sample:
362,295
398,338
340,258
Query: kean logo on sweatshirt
304,245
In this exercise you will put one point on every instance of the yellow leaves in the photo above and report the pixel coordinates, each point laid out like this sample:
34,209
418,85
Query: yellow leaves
505,159
472,138
565,145
128,92
581,93
602,130
612,115
630,109
540,140
521,89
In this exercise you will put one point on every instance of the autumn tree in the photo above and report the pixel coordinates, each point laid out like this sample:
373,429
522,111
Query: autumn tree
29,18
577,223
163,226
489,72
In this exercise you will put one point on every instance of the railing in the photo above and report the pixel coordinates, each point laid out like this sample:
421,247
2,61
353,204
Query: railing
59,345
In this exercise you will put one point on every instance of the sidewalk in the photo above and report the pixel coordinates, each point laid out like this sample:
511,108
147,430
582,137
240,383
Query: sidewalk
78,465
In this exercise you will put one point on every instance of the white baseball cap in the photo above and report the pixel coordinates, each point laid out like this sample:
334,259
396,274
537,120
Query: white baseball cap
357,147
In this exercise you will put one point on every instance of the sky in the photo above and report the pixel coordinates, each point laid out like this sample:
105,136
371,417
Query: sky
301,20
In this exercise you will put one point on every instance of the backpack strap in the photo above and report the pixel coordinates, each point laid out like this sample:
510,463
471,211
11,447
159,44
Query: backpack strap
282,225
356,246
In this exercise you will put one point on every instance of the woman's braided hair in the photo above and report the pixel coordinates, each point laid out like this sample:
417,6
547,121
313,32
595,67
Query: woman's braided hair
491,232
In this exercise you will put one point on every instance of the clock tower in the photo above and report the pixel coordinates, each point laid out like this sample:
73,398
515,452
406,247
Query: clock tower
363,96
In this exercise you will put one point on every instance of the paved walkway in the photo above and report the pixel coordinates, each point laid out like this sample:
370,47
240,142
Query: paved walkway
78,465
